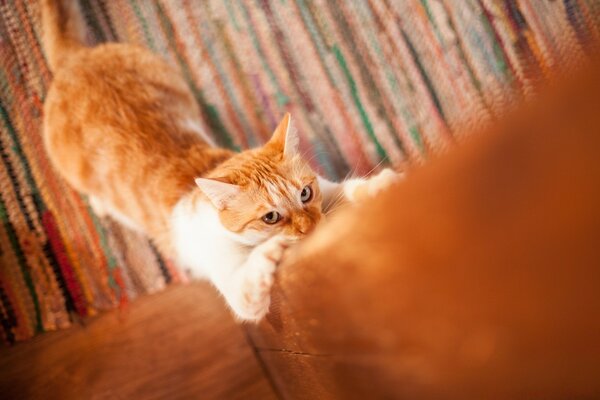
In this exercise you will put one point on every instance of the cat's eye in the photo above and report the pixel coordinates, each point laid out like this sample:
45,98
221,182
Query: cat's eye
306,194
272,217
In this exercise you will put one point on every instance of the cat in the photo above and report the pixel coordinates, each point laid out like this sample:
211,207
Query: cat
122,127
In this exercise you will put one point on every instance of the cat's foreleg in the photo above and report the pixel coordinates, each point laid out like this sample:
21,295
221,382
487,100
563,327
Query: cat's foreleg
247,287
355,189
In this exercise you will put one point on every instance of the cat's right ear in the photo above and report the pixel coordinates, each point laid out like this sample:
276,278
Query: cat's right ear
285,138
219,193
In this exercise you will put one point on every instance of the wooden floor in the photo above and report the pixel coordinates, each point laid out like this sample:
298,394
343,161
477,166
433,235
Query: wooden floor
179,344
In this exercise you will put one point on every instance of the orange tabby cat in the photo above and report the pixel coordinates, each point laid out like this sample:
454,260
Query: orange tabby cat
122,127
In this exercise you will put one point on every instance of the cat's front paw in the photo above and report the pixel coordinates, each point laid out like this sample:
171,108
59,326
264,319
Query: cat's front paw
381,181
361,189
255,295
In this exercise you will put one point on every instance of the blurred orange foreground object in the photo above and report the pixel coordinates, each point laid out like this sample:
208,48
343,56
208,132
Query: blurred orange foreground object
476,278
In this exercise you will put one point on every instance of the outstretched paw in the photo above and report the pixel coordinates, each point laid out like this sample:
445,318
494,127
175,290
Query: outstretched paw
382,181
360,189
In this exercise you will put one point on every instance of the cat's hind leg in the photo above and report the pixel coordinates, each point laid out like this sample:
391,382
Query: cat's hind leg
97,206
101,209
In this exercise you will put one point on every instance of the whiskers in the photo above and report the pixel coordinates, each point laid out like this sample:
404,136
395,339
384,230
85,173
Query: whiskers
369,172
338,200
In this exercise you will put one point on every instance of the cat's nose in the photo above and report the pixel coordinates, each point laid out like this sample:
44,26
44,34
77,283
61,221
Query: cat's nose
304,224
303,229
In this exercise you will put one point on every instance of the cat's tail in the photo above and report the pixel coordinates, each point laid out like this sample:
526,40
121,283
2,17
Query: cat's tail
63,30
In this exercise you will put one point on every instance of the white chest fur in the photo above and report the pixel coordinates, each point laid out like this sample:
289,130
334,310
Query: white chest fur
240,270
202,244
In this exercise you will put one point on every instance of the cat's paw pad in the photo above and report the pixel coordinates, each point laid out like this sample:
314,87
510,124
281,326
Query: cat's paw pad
255,296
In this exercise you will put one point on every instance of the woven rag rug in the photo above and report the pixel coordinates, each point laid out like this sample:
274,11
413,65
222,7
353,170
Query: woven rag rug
366,81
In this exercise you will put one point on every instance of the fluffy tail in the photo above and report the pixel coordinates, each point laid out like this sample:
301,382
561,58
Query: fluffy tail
63,30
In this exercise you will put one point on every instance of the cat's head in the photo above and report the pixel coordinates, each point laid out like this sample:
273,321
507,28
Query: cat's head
266,191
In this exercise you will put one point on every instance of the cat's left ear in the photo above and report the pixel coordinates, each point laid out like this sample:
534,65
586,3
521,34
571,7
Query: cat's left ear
219,193
285,138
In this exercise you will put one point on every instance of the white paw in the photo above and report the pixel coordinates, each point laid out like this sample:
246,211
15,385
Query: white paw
255,295
382,181
361,189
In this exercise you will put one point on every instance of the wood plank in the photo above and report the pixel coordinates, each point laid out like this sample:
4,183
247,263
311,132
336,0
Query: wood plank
178,344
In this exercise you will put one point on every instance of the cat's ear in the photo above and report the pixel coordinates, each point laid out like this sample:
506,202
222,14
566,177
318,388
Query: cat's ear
219,193
285,138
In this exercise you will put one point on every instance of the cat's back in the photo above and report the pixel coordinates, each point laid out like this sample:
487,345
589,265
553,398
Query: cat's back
117,105
119,85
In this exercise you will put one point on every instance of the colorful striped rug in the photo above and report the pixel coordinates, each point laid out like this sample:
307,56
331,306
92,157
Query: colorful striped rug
365,81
